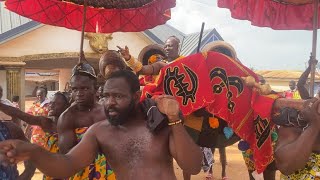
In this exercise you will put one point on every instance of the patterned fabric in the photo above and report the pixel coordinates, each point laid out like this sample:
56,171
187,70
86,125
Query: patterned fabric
248,159
9,172
37,134
98,170
102,20
214,81
292,94
310,172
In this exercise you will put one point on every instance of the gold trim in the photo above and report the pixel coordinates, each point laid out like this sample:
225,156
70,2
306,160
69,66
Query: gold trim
244,120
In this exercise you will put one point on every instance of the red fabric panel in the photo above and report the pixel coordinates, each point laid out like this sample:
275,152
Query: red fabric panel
69,15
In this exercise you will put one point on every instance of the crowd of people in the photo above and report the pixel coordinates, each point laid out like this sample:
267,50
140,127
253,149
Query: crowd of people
99,131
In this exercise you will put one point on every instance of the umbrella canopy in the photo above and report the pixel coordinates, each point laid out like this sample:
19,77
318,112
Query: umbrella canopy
102,16
280,15
276,14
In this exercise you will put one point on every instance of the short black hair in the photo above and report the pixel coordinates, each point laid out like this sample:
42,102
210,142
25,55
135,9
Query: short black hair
64,97
175,38
129,76
93,79
43,88
15,98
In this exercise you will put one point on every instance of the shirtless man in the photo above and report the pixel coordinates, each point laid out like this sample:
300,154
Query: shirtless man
134,152
84,112
171,48
297,153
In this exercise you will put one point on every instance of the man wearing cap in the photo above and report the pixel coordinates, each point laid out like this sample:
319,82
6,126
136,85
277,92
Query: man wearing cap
83,113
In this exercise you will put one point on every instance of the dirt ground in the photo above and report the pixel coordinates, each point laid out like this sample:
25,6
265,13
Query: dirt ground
236,169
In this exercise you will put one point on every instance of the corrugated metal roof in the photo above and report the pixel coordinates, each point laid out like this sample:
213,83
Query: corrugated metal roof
189,42
282,74
13,25
10,20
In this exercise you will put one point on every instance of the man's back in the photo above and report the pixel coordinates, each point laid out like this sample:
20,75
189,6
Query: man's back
134,152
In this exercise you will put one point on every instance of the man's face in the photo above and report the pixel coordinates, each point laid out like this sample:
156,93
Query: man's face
171,48
1,92
57,106
119,101
110,69
292,85
41,95
83,90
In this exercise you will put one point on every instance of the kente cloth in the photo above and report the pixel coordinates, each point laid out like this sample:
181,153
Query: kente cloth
292,94
8,172
98,170
37,134
213,80
310,172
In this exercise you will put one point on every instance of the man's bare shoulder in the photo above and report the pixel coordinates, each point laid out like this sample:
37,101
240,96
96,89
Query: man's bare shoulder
101,126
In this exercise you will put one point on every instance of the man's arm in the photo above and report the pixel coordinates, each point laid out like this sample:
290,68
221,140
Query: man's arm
16,133
183,149
45,123
51,164
187,154
137,67
153,69
294,149
302,82
66,136
294,145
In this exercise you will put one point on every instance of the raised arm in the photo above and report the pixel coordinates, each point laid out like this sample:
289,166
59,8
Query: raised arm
67,138
60,166
302,82
137,66
45,123
294,145
187,154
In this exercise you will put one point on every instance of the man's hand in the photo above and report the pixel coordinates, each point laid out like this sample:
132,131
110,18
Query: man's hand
311,112
315,62
169,106
14,151
125,53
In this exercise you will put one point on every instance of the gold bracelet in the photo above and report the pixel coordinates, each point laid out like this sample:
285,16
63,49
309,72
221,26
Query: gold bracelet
136,66
175,122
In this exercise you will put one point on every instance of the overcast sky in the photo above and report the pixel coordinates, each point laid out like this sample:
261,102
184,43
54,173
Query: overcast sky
260,48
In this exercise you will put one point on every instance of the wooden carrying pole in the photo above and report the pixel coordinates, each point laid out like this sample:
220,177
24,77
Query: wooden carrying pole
81,57
314,46
200,38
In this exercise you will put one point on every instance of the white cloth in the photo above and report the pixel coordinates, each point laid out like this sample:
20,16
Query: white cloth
207,160
3,116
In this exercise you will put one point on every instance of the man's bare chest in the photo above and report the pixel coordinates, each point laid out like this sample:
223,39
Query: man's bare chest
136,146
82,119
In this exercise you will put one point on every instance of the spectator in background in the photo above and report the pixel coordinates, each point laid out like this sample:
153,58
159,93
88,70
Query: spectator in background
293,93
